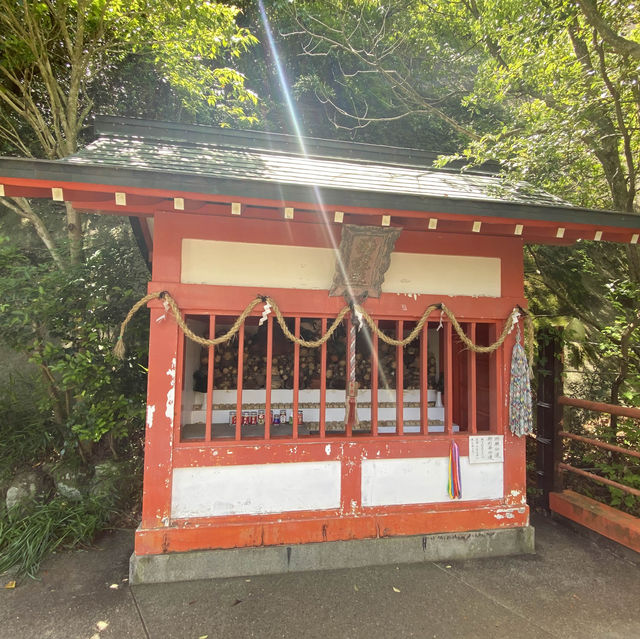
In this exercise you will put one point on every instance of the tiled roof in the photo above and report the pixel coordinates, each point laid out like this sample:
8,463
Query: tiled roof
258,157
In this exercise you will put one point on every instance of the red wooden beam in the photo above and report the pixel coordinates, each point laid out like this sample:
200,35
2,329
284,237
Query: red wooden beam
267,385
238,434
495,386
424,380
472,383
374,381
296,378
603,519
599,444
399,380
621,411
599,479
210,384
323,381
179,385
448,379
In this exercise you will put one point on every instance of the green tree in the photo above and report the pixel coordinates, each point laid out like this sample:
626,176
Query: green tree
67,322
548,87
61,60
58,56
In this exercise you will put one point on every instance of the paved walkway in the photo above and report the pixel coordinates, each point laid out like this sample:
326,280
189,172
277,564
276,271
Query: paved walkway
574,587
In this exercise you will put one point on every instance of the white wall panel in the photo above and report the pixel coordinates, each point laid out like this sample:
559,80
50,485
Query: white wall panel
255,489
424,480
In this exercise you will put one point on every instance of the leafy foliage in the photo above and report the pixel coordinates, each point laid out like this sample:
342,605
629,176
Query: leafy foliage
59,57
67,322
26,433
548,89
26,538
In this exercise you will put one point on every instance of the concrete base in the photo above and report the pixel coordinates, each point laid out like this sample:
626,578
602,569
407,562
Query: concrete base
235,562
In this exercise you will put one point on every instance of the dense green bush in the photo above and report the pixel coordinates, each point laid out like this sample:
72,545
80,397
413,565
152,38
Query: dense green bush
75,405
66,321
26,433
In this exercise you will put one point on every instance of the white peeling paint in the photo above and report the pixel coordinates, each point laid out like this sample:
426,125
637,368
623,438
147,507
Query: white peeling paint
508,513
172,371
151,409
171,393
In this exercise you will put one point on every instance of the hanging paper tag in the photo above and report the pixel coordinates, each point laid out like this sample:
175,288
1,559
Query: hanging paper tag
265,313
515,316
358,315
166,310
441,316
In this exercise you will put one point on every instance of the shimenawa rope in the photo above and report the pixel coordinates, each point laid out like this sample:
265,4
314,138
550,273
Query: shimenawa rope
170,304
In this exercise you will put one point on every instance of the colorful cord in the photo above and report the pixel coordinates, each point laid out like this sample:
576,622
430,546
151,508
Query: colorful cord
455,484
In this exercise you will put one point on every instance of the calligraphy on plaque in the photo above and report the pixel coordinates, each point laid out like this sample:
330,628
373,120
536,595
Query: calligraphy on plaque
486,448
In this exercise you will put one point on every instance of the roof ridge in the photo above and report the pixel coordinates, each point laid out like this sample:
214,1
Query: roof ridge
275,142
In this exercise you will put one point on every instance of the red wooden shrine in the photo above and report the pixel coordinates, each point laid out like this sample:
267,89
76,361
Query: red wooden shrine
228,215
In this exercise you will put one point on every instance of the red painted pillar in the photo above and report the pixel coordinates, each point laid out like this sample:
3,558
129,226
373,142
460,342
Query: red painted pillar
515,462
159,436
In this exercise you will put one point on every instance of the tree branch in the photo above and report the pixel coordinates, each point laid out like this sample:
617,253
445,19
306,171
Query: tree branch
21,207
621,45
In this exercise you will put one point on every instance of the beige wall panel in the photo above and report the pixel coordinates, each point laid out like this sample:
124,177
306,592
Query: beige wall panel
244,264
248,264
417,273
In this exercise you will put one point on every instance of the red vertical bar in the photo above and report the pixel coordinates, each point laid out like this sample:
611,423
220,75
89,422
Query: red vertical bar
164,345
374,383
347,421
472,392
179,383
296,378
498,394
424,380
209,400
239,383
448,379
267,385
323,380
399,380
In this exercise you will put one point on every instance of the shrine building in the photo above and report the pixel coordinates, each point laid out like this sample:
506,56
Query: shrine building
281,448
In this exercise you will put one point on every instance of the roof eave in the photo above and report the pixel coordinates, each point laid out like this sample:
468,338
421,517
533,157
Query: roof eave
57,172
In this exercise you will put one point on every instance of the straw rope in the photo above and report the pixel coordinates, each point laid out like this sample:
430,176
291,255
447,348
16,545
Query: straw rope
170,304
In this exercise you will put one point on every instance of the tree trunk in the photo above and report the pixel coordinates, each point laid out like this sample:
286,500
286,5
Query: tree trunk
74,231
21,206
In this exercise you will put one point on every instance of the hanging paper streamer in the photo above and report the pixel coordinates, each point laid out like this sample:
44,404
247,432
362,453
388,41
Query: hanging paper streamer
520,413
455,482
265,313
